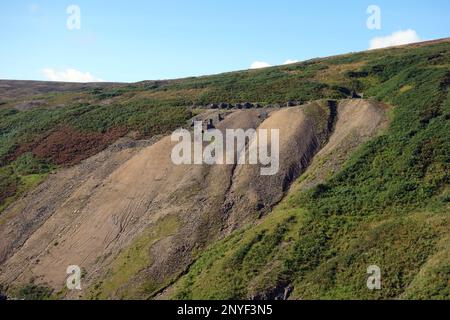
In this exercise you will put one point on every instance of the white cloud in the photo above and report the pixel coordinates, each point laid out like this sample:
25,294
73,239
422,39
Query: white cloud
69,75
262,64
290,61
259,65
396,39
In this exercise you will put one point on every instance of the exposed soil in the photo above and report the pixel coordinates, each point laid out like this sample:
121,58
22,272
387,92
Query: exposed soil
357,121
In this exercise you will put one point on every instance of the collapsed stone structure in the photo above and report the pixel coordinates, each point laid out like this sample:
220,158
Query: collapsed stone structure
352,94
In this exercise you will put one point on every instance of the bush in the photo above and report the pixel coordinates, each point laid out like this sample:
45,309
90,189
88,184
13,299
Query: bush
35,292
28,164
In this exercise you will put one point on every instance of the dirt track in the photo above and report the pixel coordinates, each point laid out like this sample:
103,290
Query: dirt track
90,214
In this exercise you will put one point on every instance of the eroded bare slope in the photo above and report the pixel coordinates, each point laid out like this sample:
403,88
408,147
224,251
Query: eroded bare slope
133,221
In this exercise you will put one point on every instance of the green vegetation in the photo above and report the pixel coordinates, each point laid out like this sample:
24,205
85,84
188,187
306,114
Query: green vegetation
34,292
23,174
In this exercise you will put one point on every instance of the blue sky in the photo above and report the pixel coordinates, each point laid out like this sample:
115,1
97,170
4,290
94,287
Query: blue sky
138,40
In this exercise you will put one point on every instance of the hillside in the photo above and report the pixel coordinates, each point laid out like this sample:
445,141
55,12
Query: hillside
86,179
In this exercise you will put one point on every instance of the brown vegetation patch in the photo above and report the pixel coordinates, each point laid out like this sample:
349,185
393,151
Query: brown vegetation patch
66,146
